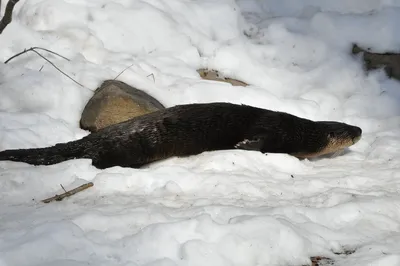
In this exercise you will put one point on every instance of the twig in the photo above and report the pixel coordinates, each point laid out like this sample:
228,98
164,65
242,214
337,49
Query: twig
51,63
31,49
14,56
123,71
152,75
7,15
68,193
50,51
63,188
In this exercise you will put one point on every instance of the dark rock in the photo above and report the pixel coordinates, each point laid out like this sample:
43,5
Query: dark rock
321,261
114,102
389,61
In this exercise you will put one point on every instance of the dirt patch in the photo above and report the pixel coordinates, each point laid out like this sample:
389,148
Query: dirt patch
217,76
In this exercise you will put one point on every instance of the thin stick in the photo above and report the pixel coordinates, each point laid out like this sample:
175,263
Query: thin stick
7,15
51,63
123,71
63,188
68,193
47,50
31,49
154,80
14,56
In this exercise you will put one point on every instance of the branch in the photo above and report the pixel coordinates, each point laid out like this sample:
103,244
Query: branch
68,193
7,15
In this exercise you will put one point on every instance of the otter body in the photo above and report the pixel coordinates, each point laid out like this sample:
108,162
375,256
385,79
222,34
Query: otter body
191,129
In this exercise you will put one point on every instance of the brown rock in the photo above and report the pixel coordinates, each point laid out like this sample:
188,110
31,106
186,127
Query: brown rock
325,261
390,61
215,75
114,102
320,261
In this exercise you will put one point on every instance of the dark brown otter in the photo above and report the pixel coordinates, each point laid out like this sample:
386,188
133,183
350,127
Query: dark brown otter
191,129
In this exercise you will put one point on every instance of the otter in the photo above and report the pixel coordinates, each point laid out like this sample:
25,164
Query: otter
190,129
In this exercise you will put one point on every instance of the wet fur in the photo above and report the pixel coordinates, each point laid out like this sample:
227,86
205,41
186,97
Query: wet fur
185,130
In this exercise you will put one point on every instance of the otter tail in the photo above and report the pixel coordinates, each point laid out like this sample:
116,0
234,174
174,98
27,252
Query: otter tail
45,156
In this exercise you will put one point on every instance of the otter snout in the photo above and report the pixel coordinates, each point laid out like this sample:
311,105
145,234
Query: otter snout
356,134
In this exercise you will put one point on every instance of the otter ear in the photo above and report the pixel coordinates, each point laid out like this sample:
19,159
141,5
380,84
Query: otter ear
331,134
254,144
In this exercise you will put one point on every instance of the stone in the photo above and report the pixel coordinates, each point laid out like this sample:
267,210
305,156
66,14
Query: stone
389,61
114,102
216,76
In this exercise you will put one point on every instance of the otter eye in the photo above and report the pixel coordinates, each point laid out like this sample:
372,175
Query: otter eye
331,134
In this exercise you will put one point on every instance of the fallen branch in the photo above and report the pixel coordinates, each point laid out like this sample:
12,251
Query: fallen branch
33,49
68,193
7,15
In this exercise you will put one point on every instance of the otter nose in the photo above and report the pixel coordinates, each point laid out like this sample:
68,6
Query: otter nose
357,131
357,134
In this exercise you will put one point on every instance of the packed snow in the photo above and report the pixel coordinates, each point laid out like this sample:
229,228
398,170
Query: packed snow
225,208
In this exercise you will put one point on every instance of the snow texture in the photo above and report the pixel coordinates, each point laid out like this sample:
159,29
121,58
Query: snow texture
225,208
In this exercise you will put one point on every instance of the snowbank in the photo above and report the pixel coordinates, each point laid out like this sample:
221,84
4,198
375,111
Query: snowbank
218,208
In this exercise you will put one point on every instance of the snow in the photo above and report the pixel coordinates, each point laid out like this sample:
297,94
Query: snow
220,208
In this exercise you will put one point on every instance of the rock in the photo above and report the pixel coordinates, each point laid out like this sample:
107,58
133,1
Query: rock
320,261
114,102
215,75
389,61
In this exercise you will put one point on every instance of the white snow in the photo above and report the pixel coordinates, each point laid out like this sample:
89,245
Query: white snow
226,208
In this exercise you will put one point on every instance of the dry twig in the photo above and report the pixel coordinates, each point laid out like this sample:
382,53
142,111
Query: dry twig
123,71
7,15
63,188
62,72
68,193
152,75
33,49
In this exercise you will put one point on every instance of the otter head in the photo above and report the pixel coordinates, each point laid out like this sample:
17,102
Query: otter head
331,137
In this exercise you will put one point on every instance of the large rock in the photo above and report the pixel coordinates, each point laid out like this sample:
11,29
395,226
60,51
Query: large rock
114,102
215,75
389,61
